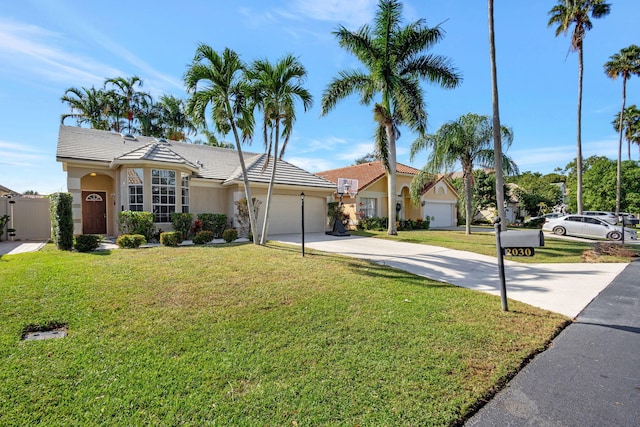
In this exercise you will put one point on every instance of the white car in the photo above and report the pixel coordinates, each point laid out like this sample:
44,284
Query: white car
610,217
587,226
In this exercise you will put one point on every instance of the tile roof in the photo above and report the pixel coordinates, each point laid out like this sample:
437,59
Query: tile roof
81,144
365,173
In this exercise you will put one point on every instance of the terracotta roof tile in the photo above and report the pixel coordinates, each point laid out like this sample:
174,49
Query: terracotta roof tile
365,173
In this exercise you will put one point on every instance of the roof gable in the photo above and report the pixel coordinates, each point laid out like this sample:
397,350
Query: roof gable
365,173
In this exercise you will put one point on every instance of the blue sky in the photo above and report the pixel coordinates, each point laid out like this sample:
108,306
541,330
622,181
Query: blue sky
48,46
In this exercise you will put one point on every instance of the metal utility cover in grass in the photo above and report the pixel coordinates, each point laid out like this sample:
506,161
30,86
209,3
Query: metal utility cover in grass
45,335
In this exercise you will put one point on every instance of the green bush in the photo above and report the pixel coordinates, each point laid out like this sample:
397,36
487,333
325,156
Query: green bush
130,241
133,222
535,223
216,223
411,224
171,238
202,237
374,223
87,242
182,222
230,234
61,220
4,221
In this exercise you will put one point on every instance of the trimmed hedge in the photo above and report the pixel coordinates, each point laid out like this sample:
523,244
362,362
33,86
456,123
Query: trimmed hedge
216,223
133,222
230,234
182,222
171,238
202,237
61,220
130,241
87,242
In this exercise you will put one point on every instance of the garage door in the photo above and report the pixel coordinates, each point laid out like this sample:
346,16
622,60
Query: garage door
441,214
285,216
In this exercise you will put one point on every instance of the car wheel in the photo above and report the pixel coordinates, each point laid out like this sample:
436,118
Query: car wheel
559,230
614,235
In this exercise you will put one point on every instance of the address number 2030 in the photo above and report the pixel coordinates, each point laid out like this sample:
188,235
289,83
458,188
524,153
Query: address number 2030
519,251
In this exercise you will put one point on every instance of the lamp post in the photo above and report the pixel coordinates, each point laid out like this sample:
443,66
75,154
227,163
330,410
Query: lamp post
302,211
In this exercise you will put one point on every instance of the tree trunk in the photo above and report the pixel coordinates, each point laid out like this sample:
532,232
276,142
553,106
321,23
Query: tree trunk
245,178
467,172
391,180
579,134
619,163
497,137
265,223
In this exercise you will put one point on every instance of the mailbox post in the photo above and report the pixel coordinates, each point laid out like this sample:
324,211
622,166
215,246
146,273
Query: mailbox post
514,243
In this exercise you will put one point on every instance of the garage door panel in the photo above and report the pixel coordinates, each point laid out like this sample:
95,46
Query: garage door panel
286,215
441,214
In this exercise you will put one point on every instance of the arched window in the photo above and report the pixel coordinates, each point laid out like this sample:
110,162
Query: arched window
93,197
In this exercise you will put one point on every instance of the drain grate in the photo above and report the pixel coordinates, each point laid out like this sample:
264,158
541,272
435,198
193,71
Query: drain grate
34,332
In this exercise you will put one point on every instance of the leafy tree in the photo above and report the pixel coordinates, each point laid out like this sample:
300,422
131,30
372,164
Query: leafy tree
624,64
276,88
483,193
125,101
219,81
175,121
395,59
564,15
535,190
630,126
367,158
467,140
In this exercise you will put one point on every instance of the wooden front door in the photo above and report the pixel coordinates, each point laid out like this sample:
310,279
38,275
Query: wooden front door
94,212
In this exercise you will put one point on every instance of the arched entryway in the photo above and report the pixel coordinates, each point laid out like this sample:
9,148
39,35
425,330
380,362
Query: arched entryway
94,212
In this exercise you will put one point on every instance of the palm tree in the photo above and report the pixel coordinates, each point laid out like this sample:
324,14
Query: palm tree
395,59
87,106
276,87
497,142
223,87
624,64
565,14
630,126
175,122
126,99
467,140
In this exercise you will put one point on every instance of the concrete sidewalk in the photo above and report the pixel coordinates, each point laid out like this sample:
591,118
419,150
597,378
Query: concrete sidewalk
19,247
561,288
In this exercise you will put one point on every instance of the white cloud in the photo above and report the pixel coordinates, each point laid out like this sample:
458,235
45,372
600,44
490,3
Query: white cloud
353,13
312,164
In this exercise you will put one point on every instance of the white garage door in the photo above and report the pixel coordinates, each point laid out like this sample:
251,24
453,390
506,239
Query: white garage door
286,215
441,214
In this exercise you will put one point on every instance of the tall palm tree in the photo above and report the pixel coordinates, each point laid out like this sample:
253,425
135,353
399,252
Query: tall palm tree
468,140
630,122
624,64
276,88
175,122
87,107
127,99
497,141
395,59
576,13
218,80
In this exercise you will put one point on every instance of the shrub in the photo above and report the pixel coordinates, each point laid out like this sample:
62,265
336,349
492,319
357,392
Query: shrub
230,234
202,237
410,224
87,242
132,222
4,221
216,223
181,222
535,223
130,241
374,223
61,220
171,238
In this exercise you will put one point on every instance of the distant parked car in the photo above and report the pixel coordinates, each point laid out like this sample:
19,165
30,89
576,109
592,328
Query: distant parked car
610,217
549,215
587,226
629,219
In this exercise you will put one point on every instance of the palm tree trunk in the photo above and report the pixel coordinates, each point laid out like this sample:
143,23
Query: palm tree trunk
391,180
497,140
579,134
619,164
467,172
245,178
265,223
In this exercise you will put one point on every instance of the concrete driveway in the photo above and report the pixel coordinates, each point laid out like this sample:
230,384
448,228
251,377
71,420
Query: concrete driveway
561,288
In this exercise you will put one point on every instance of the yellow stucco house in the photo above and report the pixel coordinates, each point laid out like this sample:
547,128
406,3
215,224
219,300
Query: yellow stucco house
438,201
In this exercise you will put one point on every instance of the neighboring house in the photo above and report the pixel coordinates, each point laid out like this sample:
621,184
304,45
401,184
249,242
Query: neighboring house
109,172
4,191
438,201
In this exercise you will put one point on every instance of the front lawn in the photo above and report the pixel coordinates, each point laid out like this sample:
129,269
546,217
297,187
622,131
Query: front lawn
249,336
484,242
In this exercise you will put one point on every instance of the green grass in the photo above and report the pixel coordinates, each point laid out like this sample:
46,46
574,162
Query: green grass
250,336
484,242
